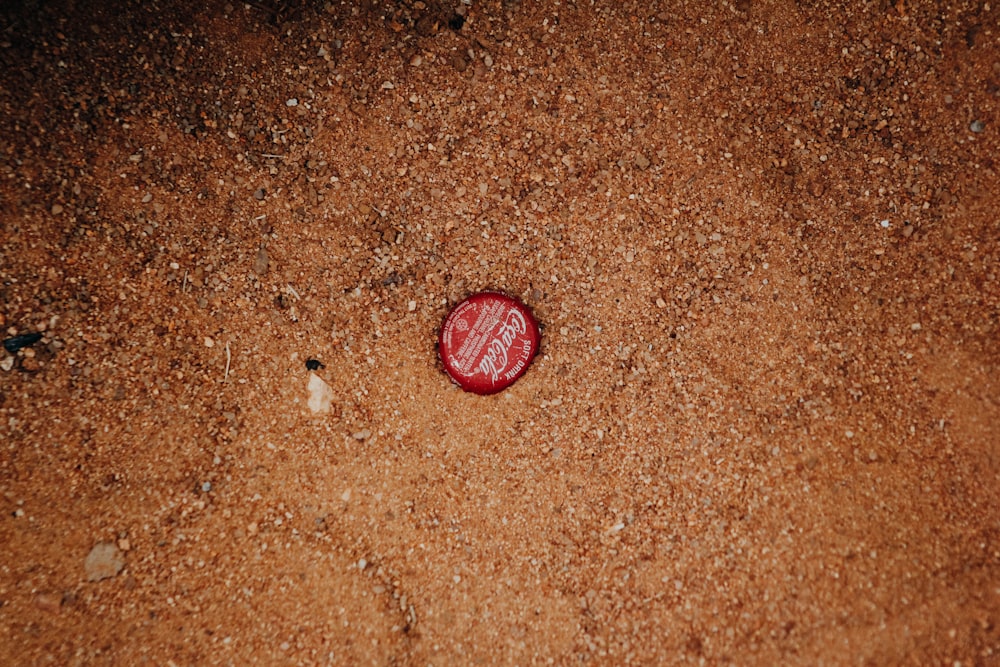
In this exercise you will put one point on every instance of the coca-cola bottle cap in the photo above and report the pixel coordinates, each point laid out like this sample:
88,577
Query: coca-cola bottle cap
488,341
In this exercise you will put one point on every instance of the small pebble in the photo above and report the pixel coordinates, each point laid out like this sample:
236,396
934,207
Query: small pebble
15,343
261,262
47,603
320,395
314,364
977,126
103,562
291,102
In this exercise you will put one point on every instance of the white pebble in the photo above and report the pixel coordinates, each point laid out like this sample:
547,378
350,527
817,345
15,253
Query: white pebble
291,102
320,394
885,224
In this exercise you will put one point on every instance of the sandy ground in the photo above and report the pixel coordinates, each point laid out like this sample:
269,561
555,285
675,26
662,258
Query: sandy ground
762,239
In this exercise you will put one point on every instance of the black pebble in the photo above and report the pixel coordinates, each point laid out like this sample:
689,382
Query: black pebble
314,364
456,22
15,343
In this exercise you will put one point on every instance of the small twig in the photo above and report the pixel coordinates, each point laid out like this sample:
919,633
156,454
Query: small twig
291,290
272,155
185,283
229,358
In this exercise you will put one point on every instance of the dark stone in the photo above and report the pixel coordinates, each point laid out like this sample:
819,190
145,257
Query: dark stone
314,364
15,343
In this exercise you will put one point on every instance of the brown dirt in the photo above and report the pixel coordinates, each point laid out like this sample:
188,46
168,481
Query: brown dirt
763,425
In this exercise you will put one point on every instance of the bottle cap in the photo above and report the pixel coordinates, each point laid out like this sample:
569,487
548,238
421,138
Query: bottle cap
488,341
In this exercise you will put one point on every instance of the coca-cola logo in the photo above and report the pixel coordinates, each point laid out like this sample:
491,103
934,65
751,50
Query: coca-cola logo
495,361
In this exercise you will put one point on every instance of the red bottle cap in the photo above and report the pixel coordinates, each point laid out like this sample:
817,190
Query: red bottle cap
488,341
